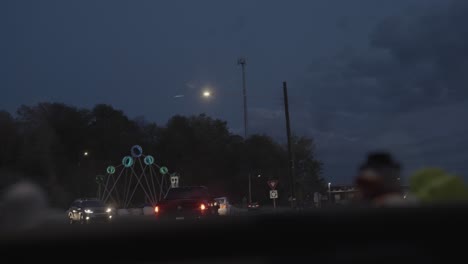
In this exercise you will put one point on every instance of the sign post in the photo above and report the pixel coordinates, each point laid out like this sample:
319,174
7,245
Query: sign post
273,191
272,184
274,196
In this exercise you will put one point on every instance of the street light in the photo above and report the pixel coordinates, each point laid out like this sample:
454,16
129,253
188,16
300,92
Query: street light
85,153
329,192
206,94
250,187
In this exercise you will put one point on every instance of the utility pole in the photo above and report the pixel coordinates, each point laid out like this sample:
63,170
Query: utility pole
250,189
290,153
242,61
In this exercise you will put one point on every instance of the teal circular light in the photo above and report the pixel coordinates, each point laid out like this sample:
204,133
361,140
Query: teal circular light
99,179
149,160
127,161
111,170
136,151
163,170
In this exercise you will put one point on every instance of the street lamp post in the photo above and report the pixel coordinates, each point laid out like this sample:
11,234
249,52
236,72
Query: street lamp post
250,189
329,192
250,186
84,156
242,62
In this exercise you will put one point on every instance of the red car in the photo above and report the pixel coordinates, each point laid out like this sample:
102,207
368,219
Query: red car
187,203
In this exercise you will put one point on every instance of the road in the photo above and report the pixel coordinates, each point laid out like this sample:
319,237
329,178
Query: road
52,218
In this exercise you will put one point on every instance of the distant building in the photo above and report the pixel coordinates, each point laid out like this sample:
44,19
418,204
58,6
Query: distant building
344,194
338,194
341,194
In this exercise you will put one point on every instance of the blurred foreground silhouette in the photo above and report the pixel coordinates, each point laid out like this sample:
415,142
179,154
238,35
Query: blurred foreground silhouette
24,205
436,185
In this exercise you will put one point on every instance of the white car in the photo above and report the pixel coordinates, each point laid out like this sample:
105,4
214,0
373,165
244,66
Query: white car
89,210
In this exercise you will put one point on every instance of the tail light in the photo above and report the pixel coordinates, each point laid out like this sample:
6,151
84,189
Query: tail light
156,209
202,207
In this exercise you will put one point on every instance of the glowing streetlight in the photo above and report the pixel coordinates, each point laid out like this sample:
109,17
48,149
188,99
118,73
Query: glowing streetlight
206,94
85,153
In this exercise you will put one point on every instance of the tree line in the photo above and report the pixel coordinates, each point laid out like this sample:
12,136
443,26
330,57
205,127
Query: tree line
46,144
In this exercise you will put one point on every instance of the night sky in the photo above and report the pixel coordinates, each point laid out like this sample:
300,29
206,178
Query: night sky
363,75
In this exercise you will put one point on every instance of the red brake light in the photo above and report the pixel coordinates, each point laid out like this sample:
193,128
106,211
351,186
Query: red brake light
156,209
202,207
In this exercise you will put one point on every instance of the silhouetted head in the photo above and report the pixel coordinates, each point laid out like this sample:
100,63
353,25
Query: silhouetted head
378,175
26,204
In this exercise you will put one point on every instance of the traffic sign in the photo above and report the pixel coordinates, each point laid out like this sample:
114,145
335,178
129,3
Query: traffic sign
174,181
272,184
273,194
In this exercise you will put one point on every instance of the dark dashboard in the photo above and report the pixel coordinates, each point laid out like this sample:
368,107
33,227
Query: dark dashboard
346,235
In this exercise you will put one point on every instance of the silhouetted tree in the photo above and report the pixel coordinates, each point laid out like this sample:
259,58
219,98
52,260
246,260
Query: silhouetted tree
46,143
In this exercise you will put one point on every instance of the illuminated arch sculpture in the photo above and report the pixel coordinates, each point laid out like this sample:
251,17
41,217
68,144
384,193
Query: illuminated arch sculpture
137,175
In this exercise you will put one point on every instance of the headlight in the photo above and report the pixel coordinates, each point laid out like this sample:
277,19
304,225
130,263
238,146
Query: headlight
88,211
109,210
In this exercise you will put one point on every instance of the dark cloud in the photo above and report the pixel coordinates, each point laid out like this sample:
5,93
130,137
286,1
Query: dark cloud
427,56
405,93
418,59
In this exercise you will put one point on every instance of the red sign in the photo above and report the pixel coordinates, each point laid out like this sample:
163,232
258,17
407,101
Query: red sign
272,184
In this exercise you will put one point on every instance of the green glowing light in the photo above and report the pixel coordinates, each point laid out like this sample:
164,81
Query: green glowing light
149,160
111,169
163,170
99,179
127,161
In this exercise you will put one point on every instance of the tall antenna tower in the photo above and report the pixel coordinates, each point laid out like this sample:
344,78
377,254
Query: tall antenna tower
242,61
